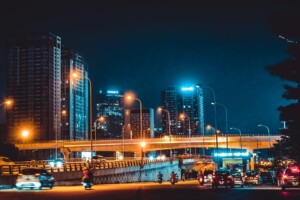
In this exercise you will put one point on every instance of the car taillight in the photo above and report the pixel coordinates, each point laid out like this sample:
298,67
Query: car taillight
246,176
285,177
256,176
214,176
228,177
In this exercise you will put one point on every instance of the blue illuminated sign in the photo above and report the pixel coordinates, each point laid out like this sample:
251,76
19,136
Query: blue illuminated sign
112,92
237,154
187,88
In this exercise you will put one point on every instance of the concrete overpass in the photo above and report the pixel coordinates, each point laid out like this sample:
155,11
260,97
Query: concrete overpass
152,144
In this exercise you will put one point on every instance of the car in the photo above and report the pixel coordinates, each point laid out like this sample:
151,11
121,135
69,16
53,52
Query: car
267,178
34,178
208,176
222,178
291,177
237,178
252,177
6,161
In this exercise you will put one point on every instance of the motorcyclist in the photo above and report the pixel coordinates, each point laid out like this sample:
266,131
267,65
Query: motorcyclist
87,176
159,175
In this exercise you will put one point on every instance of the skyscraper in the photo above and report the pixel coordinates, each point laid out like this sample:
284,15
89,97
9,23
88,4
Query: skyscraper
110,106
132,123
187,100
170,98
34,83
74,102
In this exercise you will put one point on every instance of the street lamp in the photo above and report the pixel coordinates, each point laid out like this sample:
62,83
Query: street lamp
75,75
182,117
101,119
169,123
214,98
226,120
129,98
25,134
261,125
143,144
240,132
209,127
7,102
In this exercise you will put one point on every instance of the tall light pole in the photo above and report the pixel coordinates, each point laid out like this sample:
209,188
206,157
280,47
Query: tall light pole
143,144
169,126
215,132
182,117
226,120
261,125
240,132
129,97
76,76
214,100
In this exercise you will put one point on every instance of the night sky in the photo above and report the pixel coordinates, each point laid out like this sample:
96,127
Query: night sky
145,46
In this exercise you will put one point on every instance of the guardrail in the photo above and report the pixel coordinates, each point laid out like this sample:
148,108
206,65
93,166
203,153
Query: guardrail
75,166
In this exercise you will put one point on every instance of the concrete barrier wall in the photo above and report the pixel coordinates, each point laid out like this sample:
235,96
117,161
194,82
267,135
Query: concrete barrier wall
147,173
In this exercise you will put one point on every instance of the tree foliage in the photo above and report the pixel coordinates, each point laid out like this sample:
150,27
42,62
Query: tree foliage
288,146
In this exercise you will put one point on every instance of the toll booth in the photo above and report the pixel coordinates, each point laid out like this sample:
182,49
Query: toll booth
234,159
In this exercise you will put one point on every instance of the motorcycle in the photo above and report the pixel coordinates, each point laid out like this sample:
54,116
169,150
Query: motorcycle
173,181
87,184
160,180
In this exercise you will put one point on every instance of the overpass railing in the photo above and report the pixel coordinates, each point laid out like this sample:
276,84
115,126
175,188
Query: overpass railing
75,166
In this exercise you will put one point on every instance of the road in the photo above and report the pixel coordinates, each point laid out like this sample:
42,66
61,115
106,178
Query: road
152,191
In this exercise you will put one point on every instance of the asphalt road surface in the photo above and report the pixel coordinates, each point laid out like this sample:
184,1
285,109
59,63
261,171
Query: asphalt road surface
152,191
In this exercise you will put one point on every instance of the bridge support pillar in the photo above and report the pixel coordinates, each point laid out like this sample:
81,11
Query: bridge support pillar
251,159
66,152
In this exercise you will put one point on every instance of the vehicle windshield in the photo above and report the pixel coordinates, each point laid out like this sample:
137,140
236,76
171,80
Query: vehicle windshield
208,172
222,173
236,174
293,172
265,174
252,173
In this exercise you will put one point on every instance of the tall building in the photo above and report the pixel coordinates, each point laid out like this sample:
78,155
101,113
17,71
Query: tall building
187,100
34,83
75,99
170,98
132,123
110,106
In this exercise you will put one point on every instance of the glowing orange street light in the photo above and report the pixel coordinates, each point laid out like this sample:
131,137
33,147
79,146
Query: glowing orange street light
25,133
130,97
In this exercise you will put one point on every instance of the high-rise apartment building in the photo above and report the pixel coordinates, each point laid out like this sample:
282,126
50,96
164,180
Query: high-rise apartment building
34,83
170,98
132,123
110,106
187,101
75,99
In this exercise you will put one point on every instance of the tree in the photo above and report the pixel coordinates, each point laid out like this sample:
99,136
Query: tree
9,150
288,146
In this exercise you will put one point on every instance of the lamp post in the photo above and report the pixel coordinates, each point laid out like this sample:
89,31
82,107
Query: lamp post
143,144
101,119
260,125
216,134
25,134
141,113
226,120
240,132
169,126
182,117
214,98
76,76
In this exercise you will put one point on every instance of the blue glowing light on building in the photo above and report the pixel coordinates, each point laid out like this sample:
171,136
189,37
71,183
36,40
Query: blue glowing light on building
187,88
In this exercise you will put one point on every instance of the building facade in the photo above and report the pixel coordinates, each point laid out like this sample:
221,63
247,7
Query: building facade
132,123
187,101
110,105
34,83
75,99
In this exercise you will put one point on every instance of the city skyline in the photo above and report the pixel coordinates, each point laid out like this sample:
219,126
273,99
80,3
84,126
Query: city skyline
199,44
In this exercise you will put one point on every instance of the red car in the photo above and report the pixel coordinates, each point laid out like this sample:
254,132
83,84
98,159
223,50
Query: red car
291,177
222,178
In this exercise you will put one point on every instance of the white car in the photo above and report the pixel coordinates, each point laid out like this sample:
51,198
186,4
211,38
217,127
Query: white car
34,178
